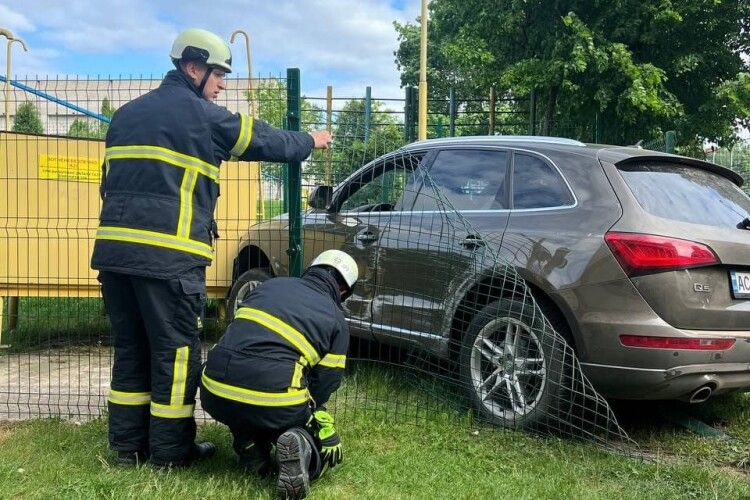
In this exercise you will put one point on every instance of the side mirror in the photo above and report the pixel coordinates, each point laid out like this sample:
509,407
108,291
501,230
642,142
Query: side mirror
320,197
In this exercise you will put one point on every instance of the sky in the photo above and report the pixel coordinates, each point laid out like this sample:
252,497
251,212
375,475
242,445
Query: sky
348,44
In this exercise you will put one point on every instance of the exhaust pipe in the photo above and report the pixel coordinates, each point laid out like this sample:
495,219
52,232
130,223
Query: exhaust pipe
701,394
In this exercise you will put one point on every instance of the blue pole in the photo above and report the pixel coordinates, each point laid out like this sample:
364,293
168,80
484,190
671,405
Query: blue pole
54,99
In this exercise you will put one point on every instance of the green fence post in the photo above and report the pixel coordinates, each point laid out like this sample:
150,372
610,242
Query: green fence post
532,113
493,104
410,112
285,178
671,141
452,112
293,99
368,113
597,136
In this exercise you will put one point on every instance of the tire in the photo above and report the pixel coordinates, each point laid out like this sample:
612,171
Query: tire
515,384
245,284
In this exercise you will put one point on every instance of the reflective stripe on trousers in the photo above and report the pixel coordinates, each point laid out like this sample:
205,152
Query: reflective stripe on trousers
292,397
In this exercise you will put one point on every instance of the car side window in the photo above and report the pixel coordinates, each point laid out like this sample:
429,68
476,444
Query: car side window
380,188
465,179
536,184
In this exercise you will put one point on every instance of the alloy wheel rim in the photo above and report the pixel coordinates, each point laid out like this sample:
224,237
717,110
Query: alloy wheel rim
508,368
244,290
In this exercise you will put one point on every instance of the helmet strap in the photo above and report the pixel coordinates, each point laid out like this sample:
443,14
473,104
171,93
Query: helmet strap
205,79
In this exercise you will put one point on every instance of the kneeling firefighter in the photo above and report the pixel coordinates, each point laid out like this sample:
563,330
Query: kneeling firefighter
278,363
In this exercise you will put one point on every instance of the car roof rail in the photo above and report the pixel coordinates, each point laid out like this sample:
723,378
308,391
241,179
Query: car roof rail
501,138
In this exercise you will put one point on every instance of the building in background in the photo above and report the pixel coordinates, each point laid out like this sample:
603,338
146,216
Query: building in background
90,94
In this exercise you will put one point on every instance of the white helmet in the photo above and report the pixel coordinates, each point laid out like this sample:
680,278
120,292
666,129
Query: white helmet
340,261
200,45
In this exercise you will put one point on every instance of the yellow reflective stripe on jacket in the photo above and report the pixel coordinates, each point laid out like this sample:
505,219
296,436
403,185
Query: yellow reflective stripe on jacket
257,398
244,137
154,238
291,334
172,411
186,204
333,361
129,398
298,371
163,154
179,376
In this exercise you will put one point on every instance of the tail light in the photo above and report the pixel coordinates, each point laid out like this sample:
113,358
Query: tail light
689,344
646,253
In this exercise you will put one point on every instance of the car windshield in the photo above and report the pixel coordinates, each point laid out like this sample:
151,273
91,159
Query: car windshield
688,194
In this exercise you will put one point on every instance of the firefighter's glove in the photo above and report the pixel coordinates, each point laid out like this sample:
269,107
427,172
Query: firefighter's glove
330,442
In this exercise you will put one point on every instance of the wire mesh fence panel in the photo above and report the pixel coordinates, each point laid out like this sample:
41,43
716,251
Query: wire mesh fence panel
442,324
57,350
455,323
736,157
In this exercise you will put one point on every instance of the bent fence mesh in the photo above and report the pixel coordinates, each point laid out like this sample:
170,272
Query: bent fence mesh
442,322
456,323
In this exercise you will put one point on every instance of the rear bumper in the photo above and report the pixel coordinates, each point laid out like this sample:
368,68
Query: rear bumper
673,383
608,310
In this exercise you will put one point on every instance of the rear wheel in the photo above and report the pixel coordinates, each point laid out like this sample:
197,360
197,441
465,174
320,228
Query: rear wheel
511,364
246,283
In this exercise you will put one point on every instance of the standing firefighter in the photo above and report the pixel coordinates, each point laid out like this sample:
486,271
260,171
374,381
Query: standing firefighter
274,369
154,241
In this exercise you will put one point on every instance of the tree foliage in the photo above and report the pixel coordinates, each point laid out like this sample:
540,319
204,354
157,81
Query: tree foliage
355,146
91,128
27,120
630,68
270,99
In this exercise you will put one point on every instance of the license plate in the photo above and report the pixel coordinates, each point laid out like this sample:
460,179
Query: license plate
740,284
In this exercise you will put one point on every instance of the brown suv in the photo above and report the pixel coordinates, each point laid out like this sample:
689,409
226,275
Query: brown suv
640,259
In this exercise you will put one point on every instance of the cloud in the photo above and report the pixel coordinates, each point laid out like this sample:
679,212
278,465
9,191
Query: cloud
35,62
348,44
351,42
90,26
14,21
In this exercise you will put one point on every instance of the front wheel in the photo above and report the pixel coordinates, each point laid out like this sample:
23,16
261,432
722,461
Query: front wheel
246,283
512,364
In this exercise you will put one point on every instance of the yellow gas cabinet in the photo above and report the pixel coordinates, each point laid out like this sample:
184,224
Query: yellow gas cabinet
49,210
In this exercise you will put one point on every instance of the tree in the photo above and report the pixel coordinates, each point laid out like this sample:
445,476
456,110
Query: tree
352,148
270,98
629,68
27,120
84,129
107,110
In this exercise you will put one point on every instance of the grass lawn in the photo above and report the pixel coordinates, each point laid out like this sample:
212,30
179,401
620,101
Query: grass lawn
440,455
398,442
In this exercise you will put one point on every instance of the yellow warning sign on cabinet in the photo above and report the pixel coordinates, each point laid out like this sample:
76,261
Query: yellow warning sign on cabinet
70,168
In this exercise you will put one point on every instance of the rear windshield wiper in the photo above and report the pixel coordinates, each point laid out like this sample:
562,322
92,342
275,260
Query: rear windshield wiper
745,224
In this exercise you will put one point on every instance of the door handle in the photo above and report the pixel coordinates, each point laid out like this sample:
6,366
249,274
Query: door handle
472,242
366,237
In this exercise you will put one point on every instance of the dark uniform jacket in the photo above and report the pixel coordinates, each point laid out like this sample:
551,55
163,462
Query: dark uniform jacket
287,343
161,177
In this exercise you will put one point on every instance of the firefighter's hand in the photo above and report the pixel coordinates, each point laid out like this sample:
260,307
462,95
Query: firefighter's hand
330,442
331,455
322,139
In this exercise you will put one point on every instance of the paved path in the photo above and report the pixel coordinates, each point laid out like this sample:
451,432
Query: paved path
70,383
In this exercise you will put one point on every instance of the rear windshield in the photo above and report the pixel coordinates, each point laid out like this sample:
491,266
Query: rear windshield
688,194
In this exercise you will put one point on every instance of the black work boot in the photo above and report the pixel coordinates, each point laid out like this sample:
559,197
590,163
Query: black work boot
256,460
199,451
293,453
131,458
202,450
